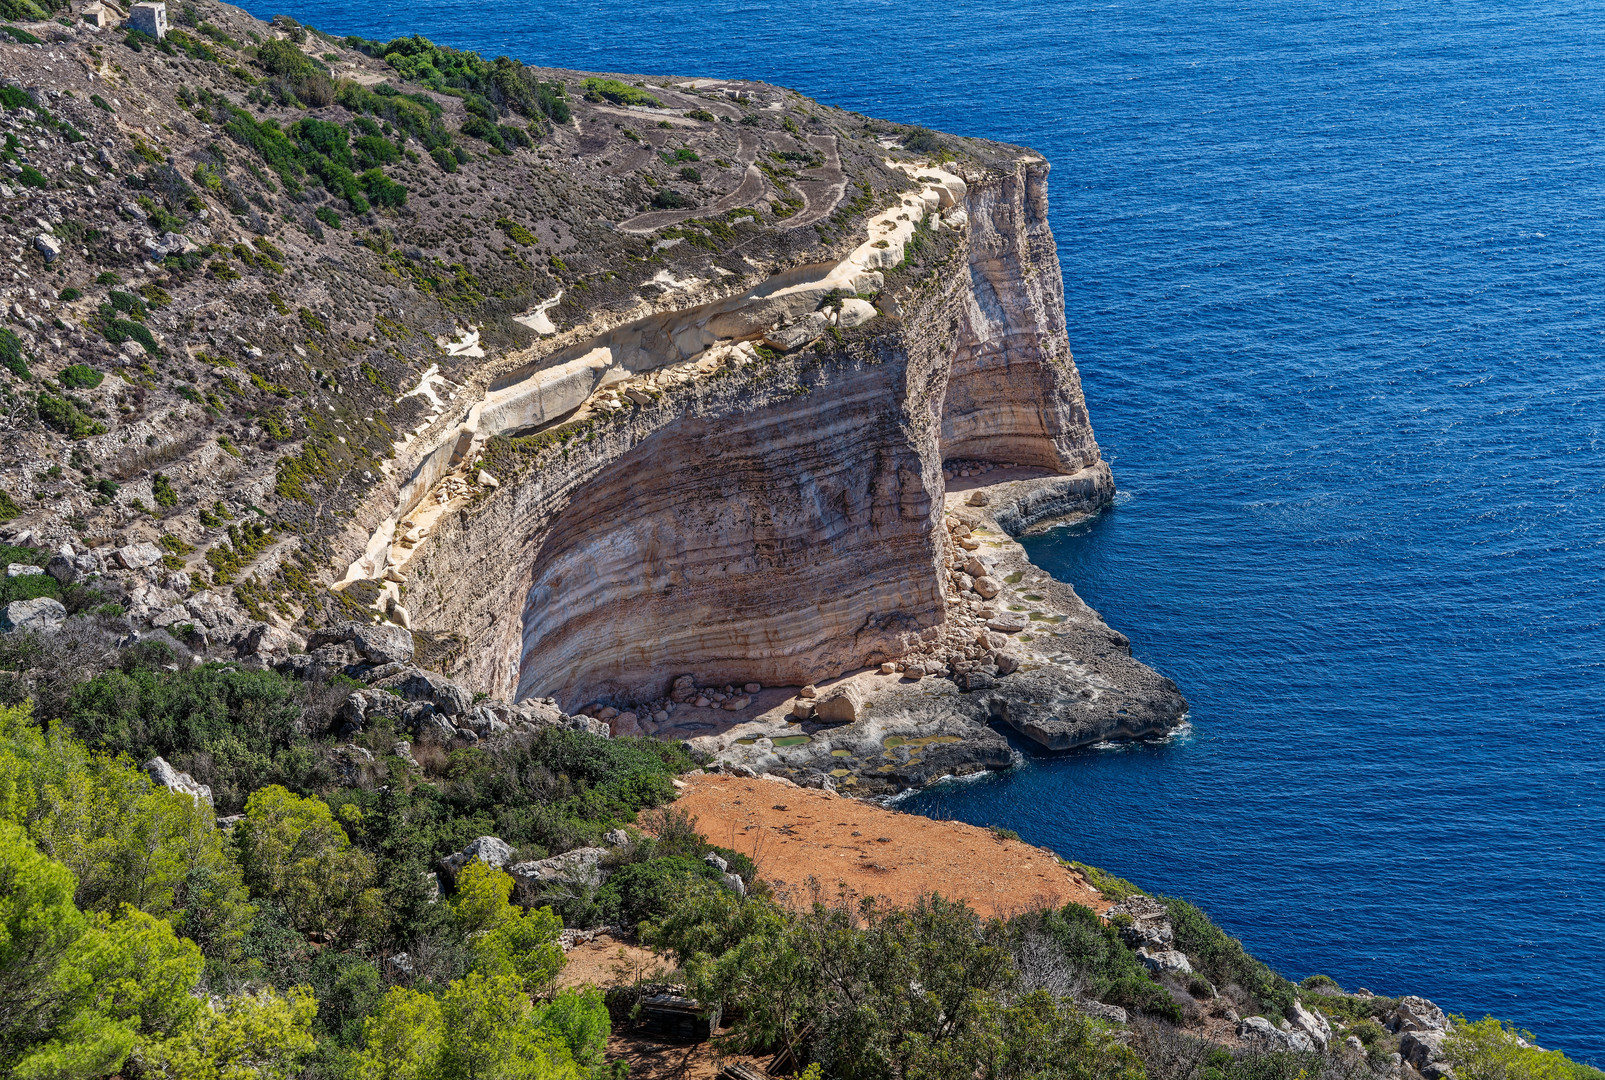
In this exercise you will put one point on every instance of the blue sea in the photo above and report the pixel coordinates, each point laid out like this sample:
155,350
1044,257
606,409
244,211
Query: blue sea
1335,277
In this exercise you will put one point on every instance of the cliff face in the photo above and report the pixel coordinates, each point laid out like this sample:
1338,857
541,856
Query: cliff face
780,524
1013,393
590,382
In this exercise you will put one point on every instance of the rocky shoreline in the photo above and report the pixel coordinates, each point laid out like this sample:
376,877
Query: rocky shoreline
1019,649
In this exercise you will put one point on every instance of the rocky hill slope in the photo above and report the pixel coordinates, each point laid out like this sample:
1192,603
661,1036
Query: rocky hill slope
618,392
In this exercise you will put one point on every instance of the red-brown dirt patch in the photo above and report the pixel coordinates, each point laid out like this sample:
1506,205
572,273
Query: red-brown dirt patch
794,834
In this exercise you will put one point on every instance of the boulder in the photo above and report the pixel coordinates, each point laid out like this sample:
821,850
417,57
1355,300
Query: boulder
62,569
841,704
18,569
1163,960
1416,1014
365,705
137,556
616,837
36,616
806,329
349,761
416,684
215,612
855,312
988,587
978,497
1008,622
169,243
572,871
1260,1034
382,643
490,850
48,246
272,641
716,862
1007,663
974,567
976,680
1422,1048
183,783
734,883
1312,1024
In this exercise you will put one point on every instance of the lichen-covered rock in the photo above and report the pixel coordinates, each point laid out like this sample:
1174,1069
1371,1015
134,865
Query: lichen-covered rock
183,783
1416,1014
38,616
379,643
1165,960
571,872
1260,1034
490,850
1312,1024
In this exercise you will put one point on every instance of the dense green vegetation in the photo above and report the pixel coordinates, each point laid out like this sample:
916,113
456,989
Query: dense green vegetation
490,88
286,919
310,939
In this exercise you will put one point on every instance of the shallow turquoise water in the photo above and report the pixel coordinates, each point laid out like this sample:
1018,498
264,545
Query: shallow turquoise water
1333,276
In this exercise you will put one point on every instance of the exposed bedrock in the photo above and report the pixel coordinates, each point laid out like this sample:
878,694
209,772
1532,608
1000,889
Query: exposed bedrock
782,520
766,545
1013,393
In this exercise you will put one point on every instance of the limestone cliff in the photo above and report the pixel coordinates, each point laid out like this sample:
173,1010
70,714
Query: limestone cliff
592,382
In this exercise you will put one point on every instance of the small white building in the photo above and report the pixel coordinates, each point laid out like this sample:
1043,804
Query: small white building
149,19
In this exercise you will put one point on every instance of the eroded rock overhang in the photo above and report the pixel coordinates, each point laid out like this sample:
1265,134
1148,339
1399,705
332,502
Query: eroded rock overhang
773,521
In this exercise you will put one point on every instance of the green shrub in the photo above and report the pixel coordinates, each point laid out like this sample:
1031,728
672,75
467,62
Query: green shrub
922,141
1093,948
118,331
669,199
32,177
8,507
1115,888
516,232
372,151
701,114
28,587
81,377
690,174
162,490
328,216
382,190
65,416
1222,958
618,93
233,729
647,890
11,355
69,294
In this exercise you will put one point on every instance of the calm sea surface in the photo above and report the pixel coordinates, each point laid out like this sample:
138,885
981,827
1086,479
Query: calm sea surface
1334,275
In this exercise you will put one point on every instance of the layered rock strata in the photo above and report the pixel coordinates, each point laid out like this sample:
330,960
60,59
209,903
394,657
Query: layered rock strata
781,520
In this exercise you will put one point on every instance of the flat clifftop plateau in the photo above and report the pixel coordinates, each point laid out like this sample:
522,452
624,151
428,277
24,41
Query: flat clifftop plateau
617,394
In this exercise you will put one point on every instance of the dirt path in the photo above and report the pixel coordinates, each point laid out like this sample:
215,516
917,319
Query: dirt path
797,833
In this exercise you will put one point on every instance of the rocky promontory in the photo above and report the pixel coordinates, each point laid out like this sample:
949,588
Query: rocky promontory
587,384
